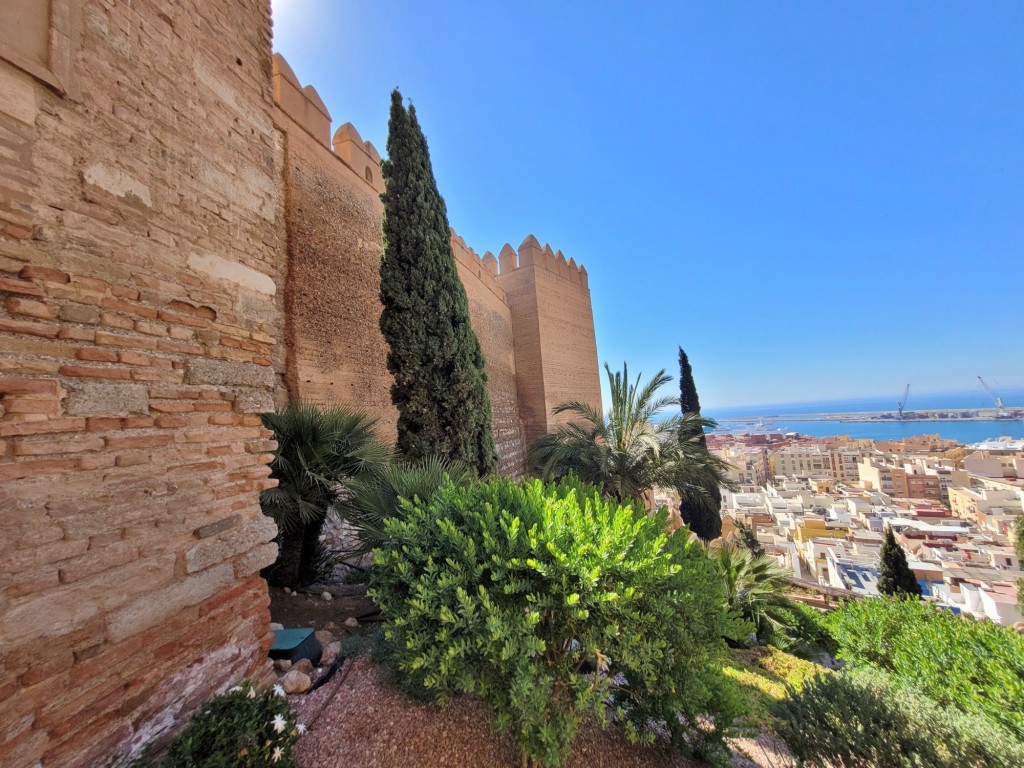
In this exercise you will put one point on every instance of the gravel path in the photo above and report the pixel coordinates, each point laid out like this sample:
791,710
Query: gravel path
358,722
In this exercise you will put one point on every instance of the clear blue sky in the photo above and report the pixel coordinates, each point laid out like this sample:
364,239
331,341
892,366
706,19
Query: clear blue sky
817,200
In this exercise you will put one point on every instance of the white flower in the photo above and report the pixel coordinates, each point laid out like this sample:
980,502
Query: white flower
300,728
252,692
278,753
236,689
279,690
278,723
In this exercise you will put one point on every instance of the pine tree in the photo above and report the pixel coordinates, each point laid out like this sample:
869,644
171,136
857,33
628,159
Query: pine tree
703,516
440,386
895,577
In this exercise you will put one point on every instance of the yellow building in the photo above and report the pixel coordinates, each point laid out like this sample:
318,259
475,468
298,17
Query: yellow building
817,528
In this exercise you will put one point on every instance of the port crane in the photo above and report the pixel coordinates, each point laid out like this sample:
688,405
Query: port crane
1000,411
902,403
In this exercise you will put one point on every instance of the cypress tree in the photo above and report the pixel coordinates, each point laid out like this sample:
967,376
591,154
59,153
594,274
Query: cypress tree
440,387
689,401
748,539
895,577
703,516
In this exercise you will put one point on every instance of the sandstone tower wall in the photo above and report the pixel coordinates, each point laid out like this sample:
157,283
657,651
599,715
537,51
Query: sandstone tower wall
492,321
141,250
555,347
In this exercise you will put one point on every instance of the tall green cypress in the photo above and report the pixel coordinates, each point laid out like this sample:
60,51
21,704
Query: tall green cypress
895,577
440,386
703,516
689,402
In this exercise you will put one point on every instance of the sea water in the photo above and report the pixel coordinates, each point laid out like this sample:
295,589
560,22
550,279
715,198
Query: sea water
773,417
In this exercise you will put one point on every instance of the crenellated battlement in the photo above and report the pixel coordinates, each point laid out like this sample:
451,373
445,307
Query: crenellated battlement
531,252
305,107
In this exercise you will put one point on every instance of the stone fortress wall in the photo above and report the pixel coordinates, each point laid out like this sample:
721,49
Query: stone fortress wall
531,310
180,251
141,242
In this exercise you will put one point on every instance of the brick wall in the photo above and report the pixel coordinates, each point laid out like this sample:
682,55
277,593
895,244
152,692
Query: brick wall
141,243
554,344
336,350
492,321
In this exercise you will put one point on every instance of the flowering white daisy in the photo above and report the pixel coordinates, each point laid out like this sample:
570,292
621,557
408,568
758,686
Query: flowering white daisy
279,690
278,723
252,692
300,728
235,689
278,754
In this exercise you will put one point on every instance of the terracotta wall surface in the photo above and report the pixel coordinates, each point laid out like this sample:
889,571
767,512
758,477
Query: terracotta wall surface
555,347
492,321
336,351
141,246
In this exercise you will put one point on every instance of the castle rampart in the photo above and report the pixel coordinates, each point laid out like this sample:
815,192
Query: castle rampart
537,338
141,254
183,245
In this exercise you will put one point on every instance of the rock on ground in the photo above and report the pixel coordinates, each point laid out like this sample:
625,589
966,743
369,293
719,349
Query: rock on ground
296,682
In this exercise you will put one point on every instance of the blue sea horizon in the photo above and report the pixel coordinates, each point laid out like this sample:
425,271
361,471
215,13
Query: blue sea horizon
924,402
961,431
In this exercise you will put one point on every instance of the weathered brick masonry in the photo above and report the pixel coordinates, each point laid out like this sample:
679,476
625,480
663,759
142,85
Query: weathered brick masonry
142,241
180,250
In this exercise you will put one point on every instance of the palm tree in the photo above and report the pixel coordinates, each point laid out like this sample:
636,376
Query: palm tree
626,453
755,589
376,496
319,450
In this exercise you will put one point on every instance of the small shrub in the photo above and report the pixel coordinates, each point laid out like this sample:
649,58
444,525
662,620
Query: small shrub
552,605
250,726
975,666
862,718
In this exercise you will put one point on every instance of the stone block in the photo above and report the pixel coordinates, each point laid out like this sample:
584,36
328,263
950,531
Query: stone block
17,96
250,562
234,272
250,400
228,373
216,549
87,398
117,183
151,609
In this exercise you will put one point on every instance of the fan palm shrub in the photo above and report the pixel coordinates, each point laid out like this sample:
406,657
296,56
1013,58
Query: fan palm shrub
319,451
375,496
626,452
755,588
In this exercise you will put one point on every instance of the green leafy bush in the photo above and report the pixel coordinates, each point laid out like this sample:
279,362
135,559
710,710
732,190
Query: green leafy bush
975,666
861,718
250,726
552,605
